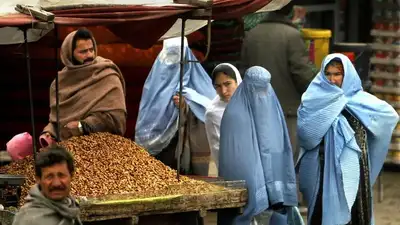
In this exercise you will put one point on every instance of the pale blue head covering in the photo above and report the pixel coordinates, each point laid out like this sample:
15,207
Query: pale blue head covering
320,118
157,119
255,145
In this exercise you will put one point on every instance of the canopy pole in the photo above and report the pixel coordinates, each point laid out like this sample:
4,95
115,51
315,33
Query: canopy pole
208,39
181,103
28,70
57,87
208,43
183,61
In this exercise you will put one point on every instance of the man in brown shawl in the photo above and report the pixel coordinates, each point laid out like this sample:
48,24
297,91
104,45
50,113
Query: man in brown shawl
91,92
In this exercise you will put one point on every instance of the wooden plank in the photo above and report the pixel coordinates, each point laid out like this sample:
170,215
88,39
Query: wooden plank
203,13
230,198
43,25
35,12
200,14
38,25
202,3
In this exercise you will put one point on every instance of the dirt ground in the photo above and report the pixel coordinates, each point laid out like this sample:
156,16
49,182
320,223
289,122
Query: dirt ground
386,211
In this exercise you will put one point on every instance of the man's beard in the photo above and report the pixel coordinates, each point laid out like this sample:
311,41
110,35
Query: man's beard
88,60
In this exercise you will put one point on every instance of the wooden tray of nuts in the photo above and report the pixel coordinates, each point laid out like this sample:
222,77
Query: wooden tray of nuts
227,194
116,178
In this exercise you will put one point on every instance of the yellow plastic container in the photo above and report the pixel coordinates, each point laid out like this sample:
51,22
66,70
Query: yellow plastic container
317,42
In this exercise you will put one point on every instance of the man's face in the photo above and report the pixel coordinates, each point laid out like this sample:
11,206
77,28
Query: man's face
55,182
84,51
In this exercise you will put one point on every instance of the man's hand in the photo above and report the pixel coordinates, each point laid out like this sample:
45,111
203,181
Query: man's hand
46,139
72,125
70,130
176,101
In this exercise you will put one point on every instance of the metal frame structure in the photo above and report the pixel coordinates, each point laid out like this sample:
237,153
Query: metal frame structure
28,70
204,12
57,86
183,62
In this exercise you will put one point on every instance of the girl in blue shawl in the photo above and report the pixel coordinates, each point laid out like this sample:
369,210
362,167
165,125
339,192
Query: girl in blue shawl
344,135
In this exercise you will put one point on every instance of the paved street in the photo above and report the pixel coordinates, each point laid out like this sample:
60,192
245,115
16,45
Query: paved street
387,212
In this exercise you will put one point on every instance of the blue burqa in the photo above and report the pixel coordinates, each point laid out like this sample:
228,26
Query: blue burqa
320,118
157,119
255,146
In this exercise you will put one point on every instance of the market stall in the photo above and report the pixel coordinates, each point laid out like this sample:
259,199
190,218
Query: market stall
109,189
114,20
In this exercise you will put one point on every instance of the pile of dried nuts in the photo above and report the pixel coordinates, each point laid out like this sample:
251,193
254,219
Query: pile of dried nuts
108,164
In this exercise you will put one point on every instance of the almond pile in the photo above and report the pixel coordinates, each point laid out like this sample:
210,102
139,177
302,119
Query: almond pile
107,164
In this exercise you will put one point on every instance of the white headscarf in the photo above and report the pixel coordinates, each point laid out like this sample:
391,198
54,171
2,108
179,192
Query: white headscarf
214,115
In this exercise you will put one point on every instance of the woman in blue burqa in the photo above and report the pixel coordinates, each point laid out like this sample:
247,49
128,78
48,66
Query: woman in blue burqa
344,135
255,147
157,123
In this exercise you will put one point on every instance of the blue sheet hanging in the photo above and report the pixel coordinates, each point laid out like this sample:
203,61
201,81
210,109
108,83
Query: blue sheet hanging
157,119
320,118
255,146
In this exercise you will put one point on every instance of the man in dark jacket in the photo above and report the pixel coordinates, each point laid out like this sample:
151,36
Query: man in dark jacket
277,45
49,201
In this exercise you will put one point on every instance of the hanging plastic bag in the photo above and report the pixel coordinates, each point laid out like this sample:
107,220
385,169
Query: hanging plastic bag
20,146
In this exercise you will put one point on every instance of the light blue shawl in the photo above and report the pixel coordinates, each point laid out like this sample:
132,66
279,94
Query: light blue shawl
157,119
320,118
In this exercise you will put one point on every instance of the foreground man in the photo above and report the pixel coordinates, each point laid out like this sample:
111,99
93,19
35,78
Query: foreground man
49,201
344,134
91,92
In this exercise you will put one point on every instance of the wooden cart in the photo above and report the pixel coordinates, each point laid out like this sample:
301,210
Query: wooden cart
163,210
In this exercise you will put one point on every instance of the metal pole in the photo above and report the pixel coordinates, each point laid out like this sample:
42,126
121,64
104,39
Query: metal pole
57,87
28,70
354,21
181,110
208,44
336,22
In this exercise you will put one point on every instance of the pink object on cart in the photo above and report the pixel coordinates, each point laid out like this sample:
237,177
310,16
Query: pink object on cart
20,146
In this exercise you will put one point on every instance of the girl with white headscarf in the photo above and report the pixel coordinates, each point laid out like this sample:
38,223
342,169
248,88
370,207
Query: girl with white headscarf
226,78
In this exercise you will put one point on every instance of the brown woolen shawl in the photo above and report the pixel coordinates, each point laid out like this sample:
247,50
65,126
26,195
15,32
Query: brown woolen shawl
86,89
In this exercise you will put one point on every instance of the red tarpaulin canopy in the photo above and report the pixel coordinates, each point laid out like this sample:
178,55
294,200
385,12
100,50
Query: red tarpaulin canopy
139,25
